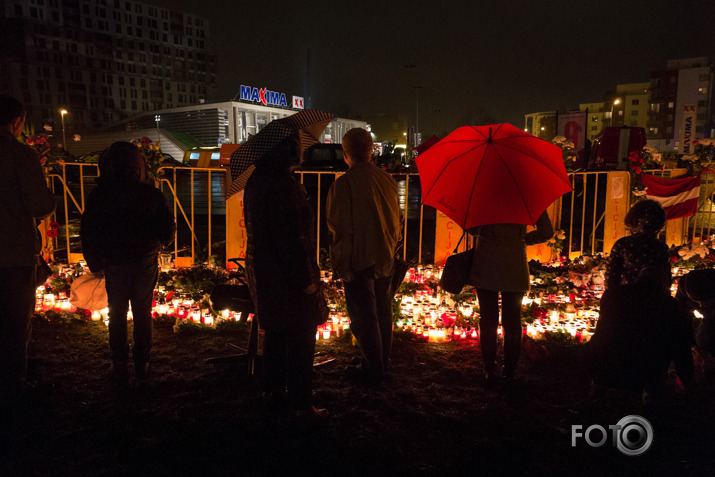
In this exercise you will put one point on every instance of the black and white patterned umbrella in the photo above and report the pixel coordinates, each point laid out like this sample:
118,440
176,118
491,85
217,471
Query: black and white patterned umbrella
308,123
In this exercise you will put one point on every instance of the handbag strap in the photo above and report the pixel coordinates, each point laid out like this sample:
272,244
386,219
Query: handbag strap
460,241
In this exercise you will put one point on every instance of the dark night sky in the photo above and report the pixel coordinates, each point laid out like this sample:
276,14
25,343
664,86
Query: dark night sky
474,59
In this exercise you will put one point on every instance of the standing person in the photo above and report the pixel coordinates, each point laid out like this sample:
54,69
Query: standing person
284,277
123,228
24,197
641,249
363,216
499,265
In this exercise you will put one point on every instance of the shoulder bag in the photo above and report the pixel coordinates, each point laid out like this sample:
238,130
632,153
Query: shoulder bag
456,270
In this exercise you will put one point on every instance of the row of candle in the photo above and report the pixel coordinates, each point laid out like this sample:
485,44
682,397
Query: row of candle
182,309
438,334
579,331
429,315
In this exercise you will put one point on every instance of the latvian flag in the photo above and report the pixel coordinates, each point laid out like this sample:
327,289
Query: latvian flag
679,197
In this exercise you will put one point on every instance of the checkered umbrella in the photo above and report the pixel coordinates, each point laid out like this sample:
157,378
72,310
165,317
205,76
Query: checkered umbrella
308,123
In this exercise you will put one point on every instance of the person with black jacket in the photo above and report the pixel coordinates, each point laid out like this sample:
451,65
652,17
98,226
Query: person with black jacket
284,278
125,223
24,197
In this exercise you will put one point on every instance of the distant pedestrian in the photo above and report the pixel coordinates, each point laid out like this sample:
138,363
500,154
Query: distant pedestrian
363,216
24,197
284,278
125,223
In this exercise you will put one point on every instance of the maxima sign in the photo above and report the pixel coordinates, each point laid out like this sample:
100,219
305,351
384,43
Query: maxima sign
263,96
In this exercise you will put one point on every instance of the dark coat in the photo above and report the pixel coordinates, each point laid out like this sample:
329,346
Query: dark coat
499,261
640,330
632,254
24,197
124,218
281,250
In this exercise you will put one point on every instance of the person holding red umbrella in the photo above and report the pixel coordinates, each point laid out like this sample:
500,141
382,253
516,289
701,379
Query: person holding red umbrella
493,181
499,266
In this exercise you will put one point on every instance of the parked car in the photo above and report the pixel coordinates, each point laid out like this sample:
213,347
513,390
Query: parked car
323,157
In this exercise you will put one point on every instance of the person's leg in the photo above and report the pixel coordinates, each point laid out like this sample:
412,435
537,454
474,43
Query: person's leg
488,322
362,309
274,364
17,287
146,273
383,301
300,346
511,322
118,284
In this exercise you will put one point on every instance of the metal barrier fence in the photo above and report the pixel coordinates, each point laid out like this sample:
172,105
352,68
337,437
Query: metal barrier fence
196,197
700,226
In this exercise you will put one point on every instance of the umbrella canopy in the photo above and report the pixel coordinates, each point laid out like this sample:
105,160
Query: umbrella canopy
308,124
493,174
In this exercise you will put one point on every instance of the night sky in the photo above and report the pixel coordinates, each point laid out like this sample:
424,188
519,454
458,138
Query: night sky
475,61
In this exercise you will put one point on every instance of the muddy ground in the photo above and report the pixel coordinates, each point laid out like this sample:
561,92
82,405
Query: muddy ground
433,416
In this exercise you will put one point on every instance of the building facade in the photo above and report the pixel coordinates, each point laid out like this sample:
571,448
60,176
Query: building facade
596,118
632,107
682,91
102,60
202,125
542,124
675,107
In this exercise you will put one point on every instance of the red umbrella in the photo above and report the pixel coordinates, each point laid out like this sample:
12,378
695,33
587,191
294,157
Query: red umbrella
492,174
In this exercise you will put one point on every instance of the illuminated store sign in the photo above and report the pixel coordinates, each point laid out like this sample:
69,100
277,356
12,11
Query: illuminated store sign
263,96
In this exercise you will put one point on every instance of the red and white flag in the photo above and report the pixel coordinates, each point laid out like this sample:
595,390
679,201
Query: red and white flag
679,197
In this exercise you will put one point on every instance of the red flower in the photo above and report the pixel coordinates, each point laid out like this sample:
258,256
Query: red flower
52,233
54,225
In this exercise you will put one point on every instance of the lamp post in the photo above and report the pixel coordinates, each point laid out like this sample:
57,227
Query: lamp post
412,66
417,115
64,139
615,102
157,118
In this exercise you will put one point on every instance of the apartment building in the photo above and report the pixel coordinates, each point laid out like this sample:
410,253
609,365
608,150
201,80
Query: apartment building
680,93
102,60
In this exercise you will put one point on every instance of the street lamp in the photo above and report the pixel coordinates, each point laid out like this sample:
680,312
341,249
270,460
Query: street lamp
157,118
615,102
64,140
417,110
417,114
